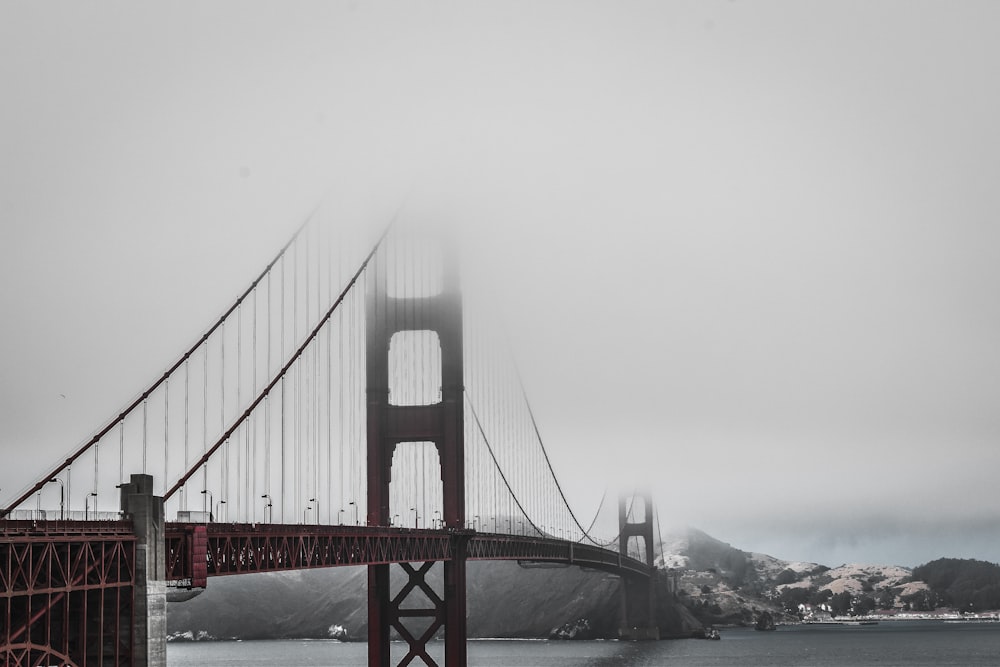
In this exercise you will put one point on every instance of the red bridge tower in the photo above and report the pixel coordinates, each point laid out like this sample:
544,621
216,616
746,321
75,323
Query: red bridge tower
440,423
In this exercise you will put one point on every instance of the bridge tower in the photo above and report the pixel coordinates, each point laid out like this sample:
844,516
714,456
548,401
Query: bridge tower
439,423
638,594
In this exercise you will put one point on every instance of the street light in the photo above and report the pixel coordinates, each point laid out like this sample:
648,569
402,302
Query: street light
304,522
355,511
340,517
62,497
438,522
313,500
86,503
267,506
416,517
475,522
393,522
208,507
218,508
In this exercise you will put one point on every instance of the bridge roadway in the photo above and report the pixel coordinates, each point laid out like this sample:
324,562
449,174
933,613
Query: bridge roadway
195,551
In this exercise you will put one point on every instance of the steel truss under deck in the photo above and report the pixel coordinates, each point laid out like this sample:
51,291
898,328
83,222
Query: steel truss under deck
218,549
66,593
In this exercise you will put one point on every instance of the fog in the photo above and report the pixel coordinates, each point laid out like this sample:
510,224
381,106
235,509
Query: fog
746,252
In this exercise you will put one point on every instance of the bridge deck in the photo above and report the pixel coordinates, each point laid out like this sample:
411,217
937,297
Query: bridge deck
228,549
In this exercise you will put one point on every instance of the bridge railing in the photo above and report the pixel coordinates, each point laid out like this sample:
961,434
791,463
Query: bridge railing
56,527
67,515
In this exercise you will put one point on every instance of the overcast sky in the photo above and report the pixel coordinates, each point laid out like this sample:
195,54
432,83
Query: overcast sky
748,252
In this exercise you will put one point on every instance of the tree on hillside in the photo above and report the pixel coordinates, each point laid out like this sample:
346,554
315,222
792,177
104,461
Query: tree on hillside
786,576
921,601
791,598
863,605
886,598
820,596
966,584
840,604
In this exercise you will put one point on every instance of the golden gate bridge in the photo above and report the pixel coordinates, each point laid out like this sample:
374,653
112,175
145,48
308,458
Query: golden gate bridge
344,411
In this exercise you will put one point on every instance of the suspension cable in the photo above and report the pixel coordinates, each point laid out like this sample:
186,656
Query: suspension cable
284,370
489,448
170,371
548,462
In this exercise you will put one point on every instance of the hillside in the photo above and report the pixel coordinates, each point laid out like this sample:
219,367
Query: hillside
969,585
714,584
721,584
504,600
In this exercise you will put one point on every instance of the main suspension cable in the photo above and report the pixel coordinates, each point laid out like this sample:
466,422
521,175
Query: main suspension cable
548,462
170,371
284,370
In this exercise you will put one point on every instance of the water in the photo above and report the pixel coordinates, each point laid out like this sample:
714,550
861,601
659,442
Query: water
901,644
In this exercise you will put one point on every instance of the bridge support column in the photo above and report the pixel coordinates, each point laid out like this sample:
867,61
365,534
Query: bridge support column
638,593
440,423
149,619
455,608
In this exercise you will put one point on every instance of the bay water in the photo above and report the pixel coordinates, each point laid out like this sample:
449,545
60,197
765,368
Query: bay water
902,643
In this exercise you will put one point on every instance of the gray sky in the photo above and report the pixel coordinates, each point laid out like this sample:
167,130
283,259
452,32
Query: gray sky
747,250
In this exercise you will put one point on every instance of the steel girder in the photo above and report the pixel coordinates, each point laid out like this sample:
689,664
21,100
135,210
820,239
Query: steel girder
66,593
536,549
243,548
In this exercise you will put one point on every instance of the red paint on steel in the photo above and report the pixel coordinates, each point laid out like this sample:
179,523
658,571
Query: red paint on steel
232,548
199,557
64,587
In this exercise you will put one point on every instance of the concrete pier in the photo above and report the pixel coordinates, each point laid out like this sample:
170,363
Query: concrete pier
149,627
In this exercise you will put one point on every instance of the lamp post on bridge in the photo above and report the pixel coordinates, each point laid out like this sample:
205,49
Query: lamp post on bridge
268,507
86,504
313,500
208,507
355,511
436,520
304,512
416,517
218,508
62,497
392,521
340,517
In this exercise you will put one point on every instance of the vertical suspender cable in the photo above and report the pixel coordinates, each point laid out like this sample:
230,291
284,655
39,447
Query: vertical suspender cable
97,455
281,431
267,410
252,457
204,425
239,399
296,444
166,432
121,451
187,426
144,438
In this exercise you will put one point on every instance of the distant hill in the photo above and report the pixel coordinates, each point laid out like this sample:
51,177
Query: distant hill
504,600
714,582
967,585
722,584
